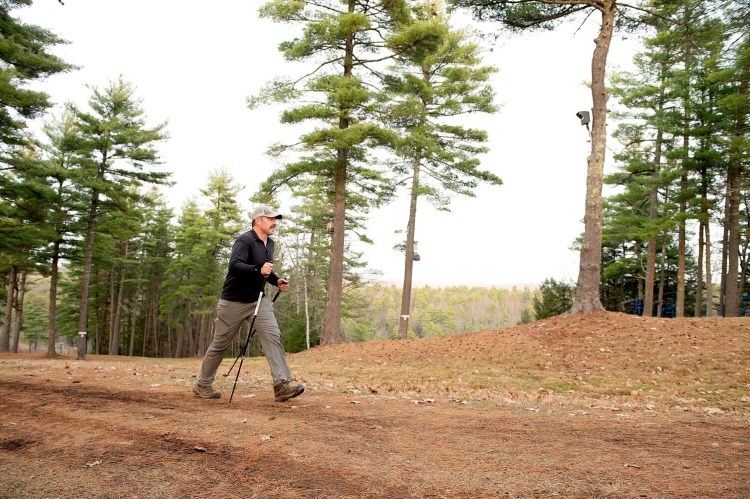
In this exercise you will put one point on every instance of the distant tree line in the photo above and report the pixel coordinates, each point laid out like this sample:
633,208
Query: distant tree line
435,311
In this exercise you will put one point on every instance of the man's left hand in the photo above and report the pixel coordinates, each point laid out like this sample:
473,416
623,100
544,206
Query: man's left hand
283,284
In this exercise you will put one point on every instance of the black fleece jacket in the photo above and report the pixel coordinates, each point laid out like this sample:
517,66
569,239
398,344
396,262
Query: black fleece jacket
244,281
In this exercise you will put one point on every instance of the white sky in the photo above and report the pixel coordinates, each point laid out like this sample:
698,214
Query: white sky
195,63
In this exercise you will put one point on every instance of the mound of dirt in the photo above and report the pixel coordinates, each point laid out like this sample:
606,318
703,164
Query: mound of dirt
605,405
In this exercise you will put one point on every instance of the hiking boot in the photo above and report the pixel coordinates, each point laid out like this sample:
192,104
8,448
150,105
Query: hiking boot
284,390
206,392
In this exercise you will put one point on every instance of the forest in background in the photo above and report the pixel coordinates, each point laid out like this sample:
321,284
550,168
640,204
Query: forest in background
141,279
372,314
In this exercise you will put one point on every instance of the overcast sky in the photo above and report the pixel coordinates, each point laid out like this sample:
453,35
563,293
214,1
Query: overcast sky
195,63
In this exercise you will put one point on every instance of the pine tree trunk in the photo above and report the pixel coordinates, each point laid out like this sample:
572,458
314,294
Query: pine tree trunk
403,323
83,307
332,321
639,280
307,316
133,323
145,326
8,318
648,299
682,236
724,254
180,334
154,313
709,283
587,298
662,278
112,278
114,340
169,351
734,198
20,293
733,242
745,249
699,274
202,346
680,299
135,307
306,295
52,314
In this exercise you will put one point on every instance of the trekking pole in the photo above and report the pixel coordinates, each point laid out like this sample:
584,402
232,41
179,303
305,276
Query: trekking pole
247,342
244,347
250,333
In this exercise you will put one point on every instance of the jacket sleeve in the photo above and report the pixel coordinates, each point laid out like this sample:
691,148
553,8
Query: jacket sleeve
239,258
273,279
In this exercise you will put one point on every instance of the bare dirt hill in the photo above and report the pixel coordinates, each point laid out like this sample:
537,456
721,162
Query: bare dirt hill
607,405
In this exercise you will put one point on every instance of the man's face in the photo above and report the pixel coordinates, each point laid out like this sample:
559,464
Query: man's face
267,225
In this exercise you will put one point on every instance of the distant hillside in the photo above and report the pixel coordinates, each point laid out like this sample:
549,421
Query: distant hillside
435,311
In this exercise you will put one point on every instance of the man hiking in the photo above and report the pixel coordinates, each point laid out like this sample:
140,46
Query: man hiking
250,266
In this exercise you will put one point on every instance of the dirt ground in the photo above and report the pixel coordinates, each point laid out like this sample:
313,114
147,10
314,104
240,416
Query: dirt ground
606,405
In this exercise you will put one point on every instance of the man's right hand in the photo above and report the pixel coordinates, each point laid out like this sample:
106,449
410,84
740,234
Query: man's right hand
266,269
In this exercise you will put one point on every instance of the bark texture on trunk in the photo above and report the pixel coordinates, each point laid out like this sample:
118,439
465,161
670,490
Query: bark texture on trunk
18,305
734,198
52,311
403,323
699,273
83,307
114,340
648,300
587,298
332,321
8,318
709,280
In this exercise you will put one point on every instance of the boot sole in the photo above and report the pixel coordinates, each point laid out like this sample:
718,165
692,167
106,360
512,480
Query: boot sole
297,392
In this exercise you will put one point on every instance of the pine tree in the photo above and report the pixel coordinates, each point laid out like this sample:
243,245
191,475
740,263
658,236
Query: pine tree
223,220
437,77
184,282
116,148
344,40
25,54
65,205
305,245
734,105
155,253
554,298
543,14
25,57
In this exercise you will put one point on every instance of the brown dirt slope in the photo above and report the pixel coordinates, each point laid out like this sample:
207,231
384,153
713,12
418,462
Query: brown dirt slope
607,405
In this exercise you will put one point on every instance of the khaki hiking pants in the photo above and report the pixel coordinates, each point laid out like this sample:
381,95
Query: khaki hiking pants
229,318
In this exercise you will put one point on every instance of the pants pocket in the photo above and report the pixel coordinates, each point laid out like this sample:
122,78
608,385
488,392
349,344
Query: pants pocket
223,314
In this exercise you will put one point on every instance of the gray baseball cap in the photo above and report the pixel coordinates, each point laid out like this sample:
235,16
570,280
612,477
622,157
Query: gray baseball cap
263,210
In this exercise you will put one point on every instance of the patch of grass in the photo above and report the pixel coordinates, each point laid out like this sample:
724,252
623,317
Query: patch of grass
11,489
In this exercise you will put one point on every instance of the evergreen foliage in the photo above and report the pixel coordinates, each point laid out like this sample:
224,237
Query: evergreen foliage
677,169
25,57
436,77
554,298
345,41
